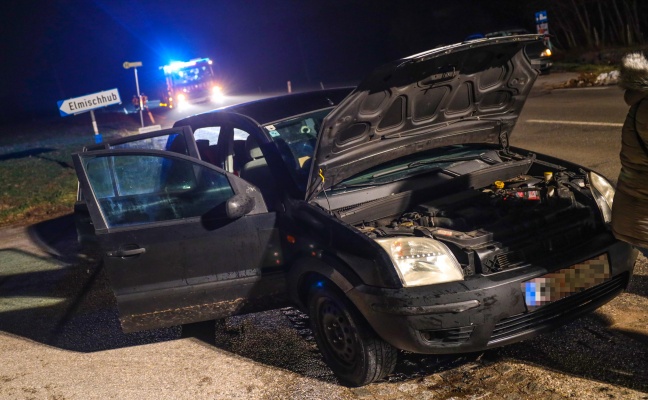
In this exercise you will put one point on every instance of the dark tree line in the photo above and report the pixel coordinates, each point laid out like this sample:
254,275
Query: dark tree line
592,24
599,23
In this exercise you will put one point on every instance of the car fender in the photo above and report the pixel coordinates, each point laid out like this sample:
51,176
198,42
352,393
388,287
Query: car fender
303,269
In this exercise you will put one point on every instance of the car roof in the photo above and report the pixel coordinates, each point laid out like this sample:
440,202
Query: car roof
271,109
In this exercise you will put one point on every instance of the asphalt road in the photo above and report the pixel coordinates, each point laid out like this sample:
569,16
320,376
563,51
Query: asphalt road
60,338
582,125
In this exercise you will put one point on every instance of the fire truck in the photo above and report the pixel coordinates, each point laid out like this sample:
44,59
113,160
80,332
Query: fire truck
190,81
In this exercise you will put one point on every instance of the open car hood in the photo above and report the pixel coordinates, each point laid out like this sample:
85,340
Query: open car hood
469,92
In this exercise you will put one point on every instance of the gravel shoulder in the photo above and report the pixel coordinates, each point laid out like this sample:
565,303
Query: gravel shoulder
60,339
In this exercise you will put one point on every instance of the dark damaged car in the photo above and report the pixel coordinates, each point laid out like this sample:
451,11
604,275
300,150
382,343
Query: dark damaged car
395,214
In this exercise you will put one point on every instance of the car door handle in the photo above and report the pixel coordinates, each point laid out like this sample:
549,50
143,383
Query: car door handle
126,253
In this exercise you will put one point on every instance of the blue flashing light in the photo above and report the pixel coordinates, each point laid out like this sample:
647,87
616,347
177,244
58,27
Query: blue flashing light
319,284
175,66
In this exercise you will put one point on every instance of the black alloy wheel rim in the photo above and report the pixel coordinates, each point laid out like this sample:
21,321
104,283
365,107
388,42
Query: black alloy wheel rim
338,332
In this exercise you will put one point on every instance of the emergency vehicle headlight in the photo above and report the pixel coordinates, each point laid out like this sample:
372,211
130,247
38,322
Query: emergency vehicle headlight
217,94
603,193
421,261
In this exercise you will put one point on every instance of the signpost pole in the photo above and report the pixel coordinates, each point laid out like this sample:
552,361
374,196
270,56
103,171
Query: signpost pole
134,65
139,97
94,125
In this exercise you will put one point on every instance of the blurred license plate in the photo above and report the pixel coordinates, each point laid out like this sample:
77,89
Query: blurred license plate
564,282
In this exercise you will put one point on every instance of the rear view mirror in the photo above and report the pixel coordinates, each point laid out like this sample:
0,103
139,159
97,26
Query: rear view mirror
238,206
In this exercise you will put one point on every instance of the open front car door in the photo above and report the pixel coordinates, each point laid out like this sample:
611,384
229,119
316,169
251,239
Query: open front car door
182,240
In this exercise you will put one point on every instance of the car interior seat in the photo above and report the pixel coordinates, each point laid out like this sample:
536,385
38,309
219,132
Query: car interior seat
241,155
257,172
210,153
177,144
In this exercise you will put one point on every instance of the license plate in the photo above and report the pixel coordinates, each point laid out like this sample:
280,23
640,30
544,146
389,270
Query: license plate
565,282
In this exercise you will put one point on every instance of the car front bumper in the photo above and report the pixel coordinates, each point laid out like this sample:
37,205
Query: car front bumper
482,312
542,65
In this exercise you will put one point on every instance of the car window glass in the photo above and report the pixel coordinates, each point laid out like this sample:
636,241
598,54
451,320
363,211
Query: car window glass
174,142
209,133
137,189
295,139
240,134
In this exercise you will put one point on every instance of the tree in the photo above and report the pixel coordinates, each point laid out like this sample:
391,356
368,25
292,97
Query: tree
589,24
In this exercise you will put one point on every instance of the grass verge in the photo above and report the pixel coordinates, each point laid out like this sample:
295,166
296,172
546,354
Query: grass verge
38,178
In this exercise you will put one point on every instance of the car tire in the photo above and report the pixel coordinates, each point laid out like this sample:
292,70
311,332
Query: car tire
349,345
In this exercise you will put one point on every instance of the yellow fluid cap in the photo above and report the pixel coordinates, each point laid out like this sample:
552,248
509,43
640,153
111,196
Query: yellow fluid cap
499,184
548,176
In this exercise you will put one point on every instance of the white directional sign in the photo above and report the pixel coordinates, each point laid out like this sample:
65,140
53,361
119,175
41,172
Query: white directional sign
88,102
132,64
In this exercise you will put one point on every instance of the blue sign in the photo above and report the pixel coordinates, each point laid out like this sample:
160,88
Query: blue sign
541,17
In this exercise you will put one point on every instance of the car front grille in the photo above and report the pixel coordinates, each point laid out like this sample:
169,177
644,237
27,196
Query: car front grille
448,337
559,312
555,239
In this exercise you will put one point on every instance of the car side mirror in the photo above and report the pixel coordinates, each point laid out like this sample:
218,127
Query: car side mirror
238,206
234,208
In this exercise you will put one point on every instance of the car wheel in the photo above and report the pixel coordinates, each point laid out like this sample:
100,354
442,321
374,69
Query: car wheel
350,347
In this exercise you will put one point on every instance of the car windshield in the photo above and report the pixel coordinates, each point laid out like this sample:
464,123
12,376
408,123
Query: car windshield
432,160
296,138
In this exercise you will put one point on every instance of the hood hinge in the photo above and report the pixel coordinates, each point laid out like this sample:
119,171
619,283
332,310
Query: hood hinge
504,138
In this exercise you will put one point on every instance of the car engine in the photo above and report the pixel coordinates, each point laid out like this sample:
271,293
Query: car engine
504,224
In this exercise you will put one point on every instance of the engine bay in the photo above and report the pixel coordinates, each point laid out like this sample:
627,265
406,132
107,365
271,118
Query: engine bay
500,225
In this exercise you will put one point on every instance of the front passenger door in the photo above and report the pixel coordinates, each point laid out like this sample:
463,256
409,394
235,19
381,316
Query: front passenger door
171,253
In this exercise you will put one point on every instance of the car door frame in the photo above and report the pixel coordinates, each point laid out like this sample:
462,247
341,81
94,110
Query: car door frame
186,131
82,221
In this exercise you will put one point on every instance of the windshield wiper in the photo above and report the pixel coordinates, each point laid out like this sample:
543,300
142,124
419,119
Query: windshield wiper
415,164
419,163
353,185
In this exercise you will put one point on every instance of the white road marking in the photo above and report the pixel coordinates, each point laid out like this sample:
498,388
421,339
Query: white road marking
551,121
588,88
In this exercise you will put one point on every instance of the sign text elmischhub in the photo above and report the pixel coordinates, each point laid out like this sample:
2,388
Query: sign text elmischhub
88,102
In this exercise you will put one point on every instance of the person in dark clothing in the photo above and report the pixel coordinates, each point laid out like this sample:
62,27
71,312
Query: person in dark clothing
630,205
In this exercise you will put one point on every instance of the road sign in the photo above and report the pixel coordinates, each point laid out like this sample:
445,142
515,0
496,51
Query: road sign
542,22
541,16
133,64
88,102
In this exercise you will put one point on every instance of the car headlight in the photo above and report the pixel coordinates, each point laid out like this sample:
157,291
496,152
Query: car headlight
545,53
421,261
603,193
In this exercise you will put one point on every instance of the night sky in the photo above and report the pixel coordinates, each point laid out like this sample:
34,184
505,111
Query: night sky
53,50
